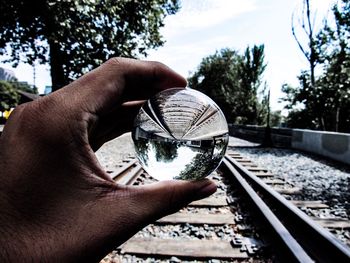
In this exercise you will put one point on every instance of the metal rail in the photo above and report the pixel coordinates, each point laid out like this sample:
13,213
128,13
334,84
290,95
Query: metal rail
128,173
317,242
282,238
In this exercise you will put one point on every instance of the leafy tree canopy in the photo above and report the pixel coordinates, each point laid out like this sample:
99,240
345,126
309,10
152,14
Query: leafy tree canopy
23,86
325,104
9,93
8,96
76,36
232,80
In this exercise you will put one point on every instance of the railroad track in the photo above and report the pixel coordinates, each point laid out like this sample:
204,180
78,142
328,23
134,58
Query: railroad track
246,219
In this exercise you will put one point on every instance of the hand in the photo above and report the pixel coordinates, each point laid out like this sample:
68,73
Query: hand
57,204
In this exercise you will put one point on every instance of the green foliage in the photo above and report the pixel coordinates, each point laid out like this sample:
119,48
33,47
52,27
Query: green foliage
165,151
275,118
8,96
250,72
24,87
200,165
77,36
216,77
204,162
325,104
232,80
141,148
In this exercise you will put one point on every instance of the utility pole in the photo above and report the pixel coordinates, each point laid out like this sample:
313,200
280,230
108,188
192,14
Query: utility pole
34,75
268,109
267,142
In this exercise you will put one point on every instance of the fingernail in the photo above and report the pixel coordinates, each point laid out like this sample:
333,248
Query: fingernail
208,188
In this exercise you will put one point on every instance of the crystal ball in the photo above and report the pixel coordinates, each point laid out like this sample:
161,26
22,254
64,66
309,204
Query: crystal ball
180,134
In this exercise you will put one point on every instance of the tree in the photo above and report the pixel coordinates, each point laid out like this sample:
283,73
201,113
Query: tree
334,41
306,22
251,69
232,80
23,86
76,36
310,51
325,102
8,96
217,77
166,151
306,104
9,93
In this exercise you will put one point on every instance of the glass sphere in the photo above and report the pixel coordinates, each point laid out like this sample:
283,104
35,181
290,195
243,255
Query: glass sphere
180,134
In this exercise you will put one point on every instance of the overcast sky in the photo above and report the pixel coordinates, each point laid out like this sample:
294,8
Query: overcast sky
203,26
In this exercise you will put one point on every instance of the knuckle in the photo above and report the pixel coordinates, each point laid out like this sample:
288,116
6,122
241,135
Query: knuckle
36,110
158,65
28,114
23,113
18,111
115,61
30,117
159,70
20,121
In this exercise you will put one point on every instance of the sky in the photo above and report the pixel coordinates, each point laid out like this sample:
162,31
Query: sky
202,27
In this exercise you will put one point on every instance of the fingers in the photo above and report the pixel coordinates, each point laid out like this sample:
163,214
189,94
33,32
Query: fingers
118,213
119,80
151,202
169,196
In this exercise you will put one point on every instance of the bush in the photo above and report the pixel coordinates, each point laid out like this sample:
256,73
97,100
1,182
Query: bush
9,96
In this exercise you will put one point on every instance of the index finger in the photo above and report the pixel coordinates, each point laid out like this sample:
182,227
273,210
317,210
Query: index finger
119,80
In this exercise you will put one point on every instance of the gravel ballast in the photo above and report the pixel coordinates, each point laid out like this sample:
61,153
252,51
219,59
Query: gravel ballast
319,179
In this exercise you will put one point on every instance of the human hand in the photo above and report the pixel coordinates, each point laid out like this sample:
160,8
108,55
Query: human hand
57,204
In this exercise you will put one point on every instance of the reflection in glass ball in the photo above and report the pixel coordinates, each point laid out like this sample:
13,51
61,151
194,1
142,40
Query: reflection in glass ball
180,134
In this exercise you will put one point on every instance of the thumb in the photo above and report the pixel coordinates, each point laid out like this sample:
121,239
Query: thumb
131,208
163,198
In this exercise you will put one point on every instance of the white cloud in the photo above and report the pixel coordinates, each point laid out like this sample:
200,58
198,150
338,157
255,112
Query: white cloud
192,34
199,14
185,56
